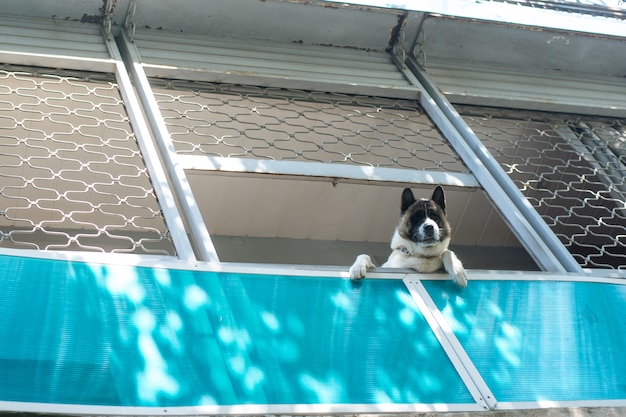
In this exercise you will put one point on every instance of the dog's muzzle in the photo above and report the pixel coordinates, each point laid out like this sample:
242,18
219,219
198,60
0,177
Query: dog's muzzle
429,231
426,234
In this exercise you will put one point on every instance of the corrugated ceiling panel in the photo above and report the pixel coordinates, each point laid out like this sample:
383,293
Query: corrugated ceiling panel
175,55
497,87
56,42
491,64
308,22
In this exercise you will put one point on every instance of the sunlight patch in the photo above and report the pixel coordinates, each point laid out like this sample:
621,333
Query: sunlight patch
330,391
271,321
195,297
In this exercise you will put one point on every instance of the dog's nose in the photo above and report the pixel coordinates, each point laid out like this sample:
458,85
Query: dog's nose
429,230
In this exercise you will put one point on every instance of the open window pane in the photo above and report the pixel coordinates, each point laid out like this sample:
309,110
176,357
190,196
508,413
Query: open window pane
235,142
292,221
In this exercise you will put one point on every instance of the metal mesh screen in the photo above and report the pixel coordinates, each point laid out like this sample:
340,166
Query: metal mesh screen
278,124
71,174
571,168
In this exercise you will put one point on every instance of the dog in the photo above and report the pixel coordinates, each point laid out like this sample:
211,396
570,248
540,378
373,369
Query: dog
420,240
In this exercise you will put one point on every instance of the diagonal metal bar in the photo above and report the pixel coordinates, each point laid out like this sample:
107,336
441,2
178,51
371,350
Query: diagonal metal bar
200,238
453,348
151,157
542,244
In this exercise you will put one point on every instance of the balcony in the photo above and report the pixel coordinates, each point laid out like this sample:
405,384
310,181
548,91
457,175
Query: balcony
182,193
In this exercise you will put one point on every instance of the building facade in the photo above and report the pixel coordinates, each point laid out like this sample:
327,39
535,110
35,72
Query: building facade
184,188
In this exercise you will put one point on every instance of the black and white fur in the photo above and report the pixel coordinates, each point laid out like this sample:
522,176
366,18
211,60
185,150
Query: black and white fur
420,240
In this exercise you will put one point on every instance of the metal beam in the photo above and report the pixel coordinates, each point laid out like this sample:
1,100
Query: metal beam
324,171
157,174
200,237
443,332
269,64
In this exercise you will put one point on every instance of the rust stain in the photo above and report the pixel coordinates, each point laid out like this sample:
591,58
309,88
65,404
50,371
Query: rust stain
97,18
394,36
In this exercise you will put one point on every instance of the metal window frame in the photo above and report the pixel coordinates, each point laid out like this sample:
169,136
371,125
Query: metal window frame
50,50
322,171
541,243
200,237
523,219
177,164
158,177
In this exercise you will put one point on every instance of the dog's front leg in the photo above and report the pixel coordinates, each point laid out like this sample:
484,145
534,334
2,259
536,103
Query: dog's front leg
454,268
360,266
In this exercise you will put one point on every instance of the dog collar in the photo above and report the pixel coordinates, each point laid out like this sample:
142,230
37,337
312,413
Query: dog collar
405,250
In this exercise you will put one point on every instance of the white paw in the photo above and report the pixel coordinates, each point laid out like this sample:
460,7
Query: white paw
459,277
360,266
455,269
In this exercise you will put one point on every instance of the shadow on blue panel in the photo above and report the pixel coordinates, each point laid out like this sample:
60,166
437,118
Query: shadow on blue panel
541,340
56,329
316,340
118,335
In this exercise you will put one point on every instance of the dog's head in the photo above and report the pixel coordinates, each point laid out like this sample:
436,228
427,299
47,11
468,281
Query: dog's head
424,221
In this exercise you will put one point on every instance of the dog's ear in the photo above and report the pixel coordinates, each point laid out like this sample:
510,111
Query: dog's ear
407,200
439,198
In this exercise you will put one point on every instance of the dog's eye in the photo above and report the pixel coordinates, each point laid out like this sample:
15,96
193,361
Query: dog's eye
432,214
418,218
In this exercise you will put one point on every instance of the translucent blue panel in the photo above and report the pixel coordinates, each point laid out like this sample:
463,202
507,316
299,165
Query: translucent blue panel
541,340
109,335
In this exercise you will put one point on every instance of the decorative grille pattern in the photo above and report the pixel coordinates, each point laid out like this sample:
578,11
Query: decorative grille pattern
573,171
71,174
230,121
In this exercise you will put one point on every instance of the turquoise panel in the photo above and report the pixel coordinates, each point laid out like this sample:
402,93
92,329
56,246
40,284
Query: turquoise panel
79,333
541,340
